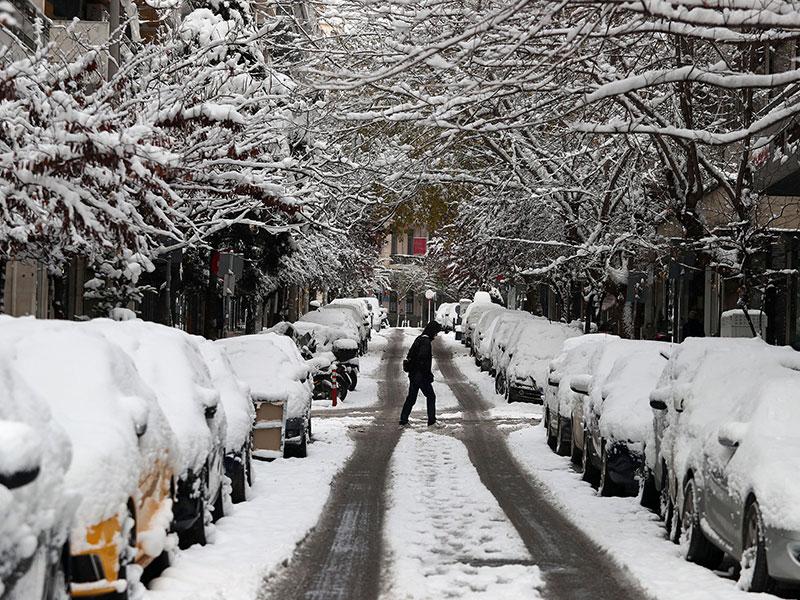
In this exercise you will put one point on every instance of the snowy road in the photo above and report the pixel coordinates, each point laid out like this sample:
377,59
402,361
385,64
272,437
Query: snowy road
419,515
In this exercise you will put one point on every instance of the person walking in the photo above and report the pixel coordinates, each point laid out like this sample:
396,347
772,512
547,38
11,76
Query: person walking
418,364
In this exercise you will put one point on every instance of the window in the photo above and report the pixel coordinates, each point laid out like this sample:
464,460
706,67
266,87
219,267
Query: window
410,303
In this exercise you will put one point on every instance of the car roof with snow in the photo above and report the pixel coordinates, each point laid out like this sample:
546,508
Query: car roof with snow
623,376
170,361
273,368
538,341
342,320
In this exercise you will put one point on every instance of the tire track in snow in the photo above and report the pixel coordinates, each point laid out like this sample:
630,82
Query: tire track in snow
341,558
573,567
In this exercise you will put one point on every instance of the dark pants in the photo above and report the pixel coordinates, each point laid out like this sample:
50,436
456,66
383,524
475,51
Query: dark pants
417,383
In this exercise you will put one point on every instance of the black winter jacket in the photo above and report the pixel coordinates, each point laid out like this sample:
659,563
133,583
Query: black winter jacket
420,358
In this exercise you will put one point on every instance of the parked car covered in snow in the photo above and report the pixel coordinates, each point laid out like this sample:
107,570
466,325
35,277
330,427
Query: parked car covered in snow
361,310
124,454
469,318
375,313
504,328
732,449
482,331
341,319
447,315
562,404
172,364
522,370
35,509
240,416
617,415
276,371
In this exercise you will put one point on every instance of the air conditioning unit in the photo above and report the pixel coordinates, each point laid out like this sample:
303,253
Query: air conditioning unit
733,323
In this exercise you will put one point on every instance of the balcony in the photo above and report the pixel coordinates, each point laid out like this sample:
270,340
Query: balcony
31,26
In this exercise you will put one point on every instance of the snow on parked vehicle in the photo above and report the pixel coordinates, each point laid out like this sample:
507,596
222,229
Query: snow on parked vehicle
504,328
35,508
361,311
537,341
343,321
482,336
375,311
275,370
480,303
240,414
560,399
124,453
171,362
617,416
732,449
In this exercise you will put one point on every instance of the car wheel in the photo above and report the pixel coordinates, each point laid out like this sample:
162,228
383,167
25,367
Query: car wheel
755,572
127,554
57,583
563,446
589,472
699,550
239,479
649,492
576,454
218,510
249,463
606,486
196,534
301,450
551,439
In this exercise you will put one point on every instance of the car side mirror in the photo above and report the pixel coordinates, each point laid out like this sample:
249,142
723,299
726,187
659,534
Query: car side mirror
678,404
17,479
731,434
26,454
211,411
658,404
580,384
140,428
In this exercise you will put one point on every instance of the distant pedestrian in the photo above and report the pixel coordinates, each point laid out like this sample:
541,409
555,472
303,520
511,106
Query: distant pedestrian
418,365
693,326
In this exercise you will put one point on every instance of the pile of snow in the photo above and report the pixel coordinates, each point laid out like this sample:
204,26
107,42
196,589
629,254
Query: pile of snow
171,363
273,368
96,394
538,342
240,413
741,387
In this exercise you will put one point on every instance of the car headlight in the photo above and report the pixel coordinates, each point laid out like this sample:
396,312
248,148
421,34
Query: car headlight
794,551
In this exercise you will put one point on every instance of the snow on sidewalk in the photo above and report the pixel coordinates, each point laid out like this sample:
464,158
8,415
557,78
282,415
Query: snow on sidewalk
632,535
258,535
446,535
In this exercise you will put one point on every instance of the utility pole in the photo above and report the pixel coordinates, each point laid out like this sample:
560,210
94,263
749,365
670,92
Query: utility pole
113,26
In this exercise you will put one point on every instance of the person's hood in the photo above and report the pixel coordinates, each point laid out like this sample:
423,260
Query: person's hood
431,329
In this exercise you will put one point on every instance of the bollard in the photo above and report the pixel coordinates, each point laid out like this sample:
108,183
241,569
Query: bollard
334,388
